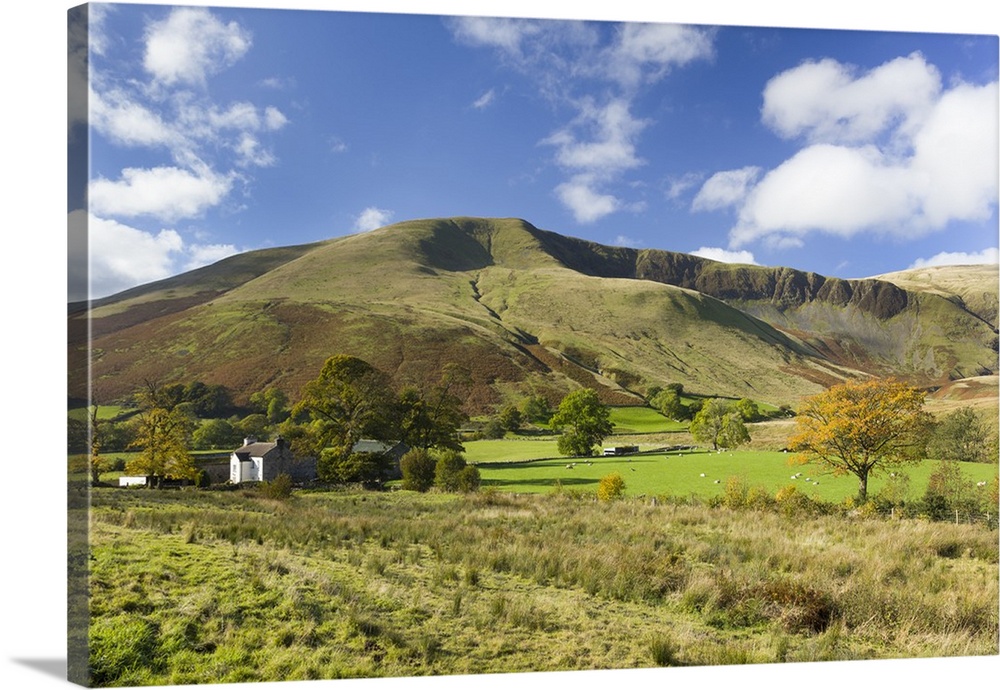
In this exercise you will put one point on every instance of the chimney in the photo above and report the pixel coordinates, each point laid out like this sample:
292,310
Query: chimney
249,439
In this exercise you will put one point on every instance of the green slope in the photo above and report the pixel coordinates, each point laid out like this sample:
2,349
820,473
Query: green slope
524,310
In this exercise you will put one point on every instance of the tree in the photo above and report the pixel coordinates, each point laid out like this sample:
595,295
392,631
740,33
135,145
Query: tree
862,427
161,436
719,424
587,419
962,435
348,401
215,433
433,419
448,469
510,418
96,461
272,403
418,467
668,403
748,409
536,410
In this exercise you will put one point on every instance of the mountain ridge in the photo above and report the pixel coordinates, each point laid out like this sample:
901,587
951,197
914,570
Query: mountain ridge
529,310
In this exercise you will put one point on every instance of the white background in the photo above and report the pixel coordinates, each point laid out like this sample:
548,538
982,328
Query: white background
33,222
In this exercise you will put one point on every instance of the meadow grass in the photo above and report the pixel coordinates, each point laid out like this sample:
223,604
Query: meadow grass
213,586
701,473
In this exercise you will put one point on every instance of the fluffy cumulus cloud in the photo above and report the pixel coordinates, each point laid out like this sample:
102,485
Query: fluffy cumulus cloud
581,194
892,152
118,256
986,256
167,193
191,44
725,255
372,218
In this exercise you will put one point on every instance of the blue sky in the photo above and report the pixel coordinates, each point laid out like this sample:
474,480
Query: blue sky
216,130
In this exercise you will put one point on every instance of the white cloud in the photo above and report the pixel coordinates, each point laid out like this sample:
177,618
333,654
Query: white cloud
584,201
646,52
485,100
626,241
191,44
122,257
274,119
678,186
824,101
199,255
986,256
505,34
724,189
607,146
167,193
372,218
725,255
889,152
126,122
118,257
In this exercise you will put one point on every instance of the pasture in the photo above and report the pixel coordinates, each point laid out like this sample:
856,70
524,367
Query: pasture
700,473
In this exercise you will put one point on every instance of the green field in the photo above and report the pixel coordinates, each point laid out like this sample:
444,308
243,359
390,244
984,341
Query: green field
680,474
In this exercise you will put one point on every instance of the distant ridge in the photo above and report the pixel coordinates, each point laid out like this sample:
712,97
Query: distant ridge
526,310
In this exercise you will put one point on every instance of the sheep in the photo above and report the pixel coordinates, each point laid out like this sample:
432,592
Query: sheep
702,474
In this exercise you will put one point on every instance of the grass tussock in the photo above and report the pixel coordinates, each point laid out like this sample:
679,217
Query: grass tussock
199,587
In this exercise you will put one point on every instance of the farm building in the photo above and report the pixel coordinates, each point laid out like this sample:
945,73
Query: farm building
258,461
394,449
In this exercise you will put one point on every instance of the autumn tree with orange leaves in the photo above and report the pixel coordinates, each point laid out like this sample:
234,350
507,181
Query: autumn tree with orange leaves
862,427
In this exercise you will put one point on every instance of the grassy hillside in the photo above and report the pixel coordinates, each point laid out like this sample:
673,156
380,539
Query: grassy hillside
973,287
525,311
335,585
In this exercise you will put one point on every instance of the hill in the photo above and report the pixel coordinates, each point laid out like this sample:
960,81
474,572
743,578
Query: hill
525,310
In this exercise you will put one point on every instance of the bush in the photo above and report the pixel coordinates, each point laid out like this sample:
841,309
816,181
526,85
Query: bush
611,486
469,479
417,466
447,470
279,489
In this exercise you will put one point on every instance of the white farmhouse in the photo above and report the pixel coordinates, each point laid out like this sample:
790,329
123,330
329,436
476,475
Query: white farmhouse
258,461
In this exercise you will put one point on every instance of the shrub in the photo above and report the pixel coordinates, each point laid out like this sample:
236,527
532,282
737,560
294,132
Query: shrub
469,479
417,466
611,486
279,489
447,470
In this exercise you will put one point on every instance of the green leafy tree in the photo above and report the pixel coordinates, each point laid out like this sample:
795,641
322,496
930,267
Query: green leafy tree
962,435
536,410
348,401
216,433
510,418
365,468
161,437
418,467
432,419
719,424
584,421
272,403
448,470
668,403
861,427
748,409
